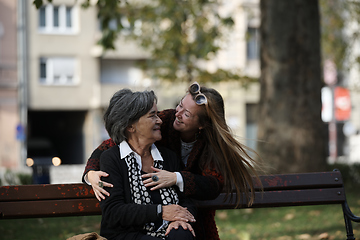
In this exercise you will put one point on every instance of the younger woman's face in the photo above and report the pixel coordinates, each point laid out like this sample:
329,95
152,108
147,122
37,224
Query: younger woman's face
187,119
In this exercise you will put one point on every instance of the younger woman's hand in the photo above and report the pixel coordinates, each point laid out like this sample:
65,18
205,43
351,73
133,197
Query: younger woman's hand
94,177
165,179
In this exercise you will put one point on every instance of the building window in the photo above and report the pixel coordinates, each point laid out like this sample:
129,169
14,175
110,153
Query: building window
120,72
42,16
57,19
126,26
252,44
57,71
56,16
69,17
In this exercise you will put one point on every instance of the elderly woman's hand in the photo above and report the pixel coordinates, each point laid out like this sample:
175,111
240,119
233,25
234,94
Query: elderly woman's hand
176,224
94,177
164,179
176,212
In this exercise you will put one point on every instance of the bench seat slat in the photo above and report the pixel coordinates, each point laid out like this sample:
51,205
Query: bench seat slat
282,198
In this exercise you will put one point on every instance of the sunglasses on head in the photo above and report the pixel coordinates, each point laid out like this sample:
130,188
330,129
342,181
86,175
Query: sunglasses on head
200,98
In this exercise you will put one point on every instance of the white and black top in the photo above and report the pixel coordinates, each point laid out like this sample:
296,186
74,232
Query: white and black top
130,210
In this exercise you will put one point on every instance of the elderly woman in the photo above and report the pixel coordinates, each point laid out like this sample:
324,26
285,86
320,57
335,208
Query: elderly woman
132,211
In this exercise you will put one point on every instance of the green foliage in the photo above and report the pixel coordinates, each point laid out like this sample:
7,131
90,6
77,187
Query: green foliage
25,179
287,223
49,228
338,38
10,177
39,3
179,35
334,44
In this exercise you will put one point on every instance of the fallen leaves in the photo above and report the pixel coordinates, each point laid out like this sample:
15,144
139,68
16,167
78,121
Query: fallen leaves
289,216
222,215
304,236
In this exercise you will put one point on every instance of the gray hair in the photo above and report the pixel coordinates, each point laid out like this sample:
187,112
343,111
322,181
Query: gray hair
125,108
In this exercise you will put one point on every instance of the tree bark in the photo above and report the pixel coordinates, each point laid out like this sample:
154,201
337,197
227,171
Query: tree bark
291,132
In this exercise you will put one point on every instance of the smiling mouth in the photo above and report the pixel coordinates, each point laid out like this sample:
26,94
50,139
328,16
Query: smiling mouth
157,127
177,120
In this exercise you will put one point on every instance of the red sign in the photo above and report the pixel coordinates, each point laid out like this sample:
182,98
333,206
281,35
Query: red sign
342,104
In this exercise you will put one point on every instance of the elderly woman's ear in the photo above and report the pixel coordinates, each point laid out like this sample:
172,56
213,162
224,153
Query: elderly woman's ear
130,128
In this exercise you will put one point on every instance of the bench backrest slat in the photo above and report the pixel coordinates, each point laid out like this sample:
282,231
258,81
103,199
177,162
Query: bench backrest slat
45,192
302,181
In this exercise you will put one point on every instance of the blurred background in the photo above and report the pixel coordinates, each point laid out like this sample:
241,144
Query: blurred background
62,60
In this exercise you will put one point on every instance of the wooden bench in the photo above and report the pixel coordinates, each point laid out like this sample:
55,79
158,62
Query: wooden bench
57,200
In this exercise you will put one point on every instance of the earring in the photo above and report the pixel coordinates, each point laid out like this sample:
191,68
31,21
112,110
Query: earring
198,134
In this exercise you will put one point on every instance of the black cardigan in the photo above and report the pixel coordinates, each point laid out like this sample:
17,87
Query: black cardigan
121,218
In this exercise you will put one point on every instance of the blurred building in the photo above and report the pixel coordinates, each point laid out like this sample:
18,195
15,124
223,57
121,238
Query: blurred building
351,127
69,82
55,83
9,111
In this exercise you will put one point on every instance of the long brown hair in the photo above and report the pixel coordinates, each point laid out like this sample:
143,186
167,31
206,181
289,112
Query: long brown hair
223,151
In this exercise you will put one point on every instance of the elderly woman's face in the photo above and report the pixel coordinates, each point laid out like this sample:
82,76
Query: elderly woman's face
147,128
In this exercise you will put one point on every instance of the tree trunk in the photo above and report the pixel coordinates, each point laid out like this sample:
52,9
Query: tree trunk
291,132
